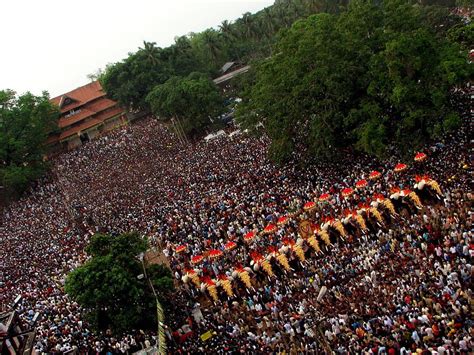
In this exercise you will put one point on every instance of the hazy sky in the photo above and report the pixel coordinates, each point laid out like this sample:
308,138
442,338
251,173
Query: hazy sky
53,44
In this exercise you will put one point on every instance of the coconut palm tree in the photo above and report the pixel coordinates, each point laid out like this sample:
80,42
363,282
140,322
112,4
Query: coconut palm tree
249,28
226,29
268,21
211,41
152,53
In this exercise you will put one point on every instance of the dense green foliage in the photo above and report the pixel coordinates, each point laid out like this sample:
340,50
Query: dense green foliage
195,100
108,286
369,77
249,38
24,125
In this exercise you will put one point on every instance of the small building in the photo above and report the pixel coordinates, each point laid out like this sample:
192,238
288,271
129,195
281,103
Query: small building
229,71
86,112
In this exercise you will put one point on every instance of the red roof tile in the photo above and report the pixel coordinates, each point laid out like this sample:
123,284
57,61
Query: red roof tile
81,95
94,108
87,111
83,114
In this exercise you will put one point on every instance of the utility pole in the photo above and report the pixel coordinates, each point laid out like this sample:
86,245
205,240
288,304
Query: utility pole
160,317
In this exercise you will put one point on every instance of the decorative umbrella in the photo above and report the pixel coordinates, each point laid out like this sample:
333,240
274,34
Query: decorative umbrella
272,250
282,220
374,175
230,245
288,242
347,192
378,197
405,192
400,167
196,259
269,229
309,206
324,197
181,248
361,183
420,156
249,236
215,253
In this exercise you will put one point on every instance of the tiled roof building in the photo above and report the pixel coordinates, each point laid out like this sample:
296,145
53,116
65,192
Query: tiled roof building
85,113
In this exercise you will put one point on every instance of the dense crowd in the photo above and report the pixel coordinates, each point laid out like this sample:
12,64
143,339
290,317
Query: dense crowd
402,286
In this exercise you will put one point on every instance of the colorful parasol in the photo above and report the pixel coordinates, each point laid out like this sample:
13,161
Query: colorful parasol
230,245
215,253
347,192
197,259
256,256
378,197
269,229
288,242
324,197
190,271
361,183
272,250
282,220
374,175
420,157
400,167
181,248
249,236
309,206
405,192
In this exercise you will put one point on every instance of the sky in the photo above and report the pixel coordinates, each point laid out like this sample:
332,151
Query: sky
53,45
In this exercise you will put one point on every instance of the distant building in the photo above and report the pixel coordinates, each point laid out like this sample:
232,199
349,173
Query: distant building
229,71
85,113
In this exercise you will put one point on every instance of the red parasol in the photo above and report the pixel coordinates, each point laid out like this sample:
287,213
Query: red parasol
197,259
249,236
324,197
181,248
190,271
361,183
208,281
256,256
347,192
288,241
282,220
405,192
269,229
420,156
230,245
222,277
215,253
374,175
308,206
378,197
272,250
400,167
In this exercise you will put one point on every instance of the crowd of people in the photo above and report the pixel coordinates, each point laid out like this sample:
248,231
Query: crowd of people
403,285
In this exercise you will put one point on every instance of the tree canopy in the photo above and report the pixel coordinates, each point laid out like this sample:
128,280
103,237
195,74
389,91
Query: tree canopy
194,99
374,75
250,37
25,122
109,288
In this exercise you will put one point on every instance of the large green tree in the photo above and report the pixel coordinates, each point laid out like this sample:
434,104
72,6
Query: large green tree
111,288
194,99
249,38
25,122
130,80
376,74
